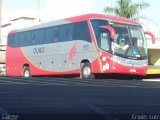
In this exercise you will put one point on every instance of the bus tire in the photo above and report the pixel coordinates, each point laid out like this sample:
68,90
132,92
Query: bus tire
26,71
86,72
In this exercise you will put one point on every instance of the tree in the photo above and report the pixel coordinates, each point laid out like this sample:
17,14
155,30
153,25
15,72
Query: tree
126,8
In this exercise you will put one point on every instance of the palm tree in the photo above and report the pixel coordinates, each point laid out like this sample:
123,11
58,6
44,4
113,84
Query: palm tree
126,8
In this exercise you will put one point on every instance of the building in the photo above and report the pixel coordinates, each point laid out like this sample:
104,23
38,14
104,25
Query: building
17,19
17,23
21,18
153,49
11,22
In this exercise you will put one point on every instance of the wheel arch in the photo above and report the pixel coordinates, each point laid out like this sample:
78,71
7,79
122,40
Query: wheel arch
84,61
25,65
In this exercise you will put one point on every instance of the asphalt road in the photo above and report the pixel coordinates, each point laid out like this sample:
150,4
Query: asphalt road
65,98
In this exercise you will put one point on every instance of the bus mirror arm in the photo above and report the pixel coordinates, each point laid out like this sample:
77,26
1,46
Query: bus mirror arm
152,35
111,31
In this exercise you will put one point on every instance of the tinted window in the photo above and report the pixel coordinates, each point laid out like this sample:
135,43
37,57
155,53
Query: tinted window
56,34
23,38
62,33
11,40
28,39
66,32
95,24
38,37
17,40
81,31
49,35
69,32
14,40
104,40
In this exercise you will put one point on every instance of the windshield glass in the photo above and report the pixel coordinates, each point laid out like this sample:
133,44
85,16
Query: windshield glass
138,42
129,42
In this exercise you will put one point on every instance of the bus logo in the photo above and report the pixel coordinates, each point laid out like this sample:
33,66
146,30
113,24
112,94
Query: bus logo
39,50
72,52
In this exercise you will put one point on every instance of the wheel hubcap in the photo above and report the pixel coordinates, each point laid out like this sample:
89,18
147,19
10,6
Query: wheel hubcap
87,71
26,73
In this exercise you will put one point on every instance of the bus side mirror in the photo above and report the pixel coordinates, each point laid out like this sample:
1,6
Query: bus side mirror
111,31
152,36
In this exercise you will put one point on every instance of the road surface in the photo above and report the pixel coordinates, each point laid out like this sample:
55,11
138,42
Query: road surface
67,98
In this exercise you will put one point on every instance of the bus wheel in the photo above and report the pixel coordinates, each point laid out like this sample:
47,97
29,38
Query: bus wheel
86,72
26,71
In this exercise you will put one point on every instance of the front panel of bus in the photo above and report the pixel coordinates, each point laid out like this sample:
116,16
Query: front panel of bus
127,53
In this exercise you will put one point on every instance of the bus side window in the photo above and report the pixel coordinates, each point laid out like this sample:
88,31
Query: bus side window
56,35
22,39
81,31
69,32
49,36
33,38
28,39
12,40
17,40
62,33
104,40
39,37
66,33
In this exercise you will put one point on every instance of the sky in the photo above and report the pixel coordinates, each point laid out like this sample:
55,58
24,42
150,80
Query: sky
150,13
22,4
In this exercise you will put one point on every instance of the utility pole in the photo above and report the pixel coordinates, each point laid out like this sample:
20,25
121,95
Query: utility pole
38,4
38,8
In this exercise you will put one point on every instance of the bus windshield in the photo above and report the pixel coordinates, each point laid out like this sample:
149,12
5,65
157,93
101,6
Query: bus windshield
129,41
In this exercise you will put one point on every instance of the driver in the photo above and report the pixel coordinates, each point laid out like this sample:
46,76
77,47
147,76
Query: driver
121,42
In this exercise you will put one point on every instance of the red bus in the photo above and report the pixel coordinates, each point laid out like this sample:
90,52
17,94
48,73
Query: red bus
84,45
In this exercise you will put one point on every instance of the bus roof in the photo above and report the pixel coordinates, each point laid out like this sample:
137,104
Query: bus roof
103,16
79,18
